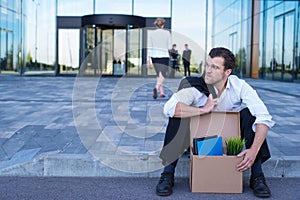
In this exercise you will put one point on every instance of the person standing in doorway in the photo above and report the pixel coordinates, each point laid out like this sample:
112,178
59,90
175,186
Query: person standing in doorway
186,58
159,45
174,58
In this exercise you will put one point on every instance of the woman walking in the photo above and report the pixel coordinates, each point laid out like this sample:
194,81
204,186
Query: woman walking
159,43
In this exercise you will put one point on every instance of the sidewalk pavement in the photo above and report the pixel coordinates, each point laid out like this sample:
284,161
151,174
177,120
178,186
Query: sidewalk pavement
127,188
112,127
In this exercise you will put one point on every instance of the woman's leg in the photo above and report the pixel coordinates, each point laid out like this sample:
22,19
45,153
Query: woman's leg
159,84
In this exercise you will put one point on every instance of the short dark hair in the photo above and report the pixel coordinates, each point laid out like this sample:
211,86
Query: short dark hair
229,59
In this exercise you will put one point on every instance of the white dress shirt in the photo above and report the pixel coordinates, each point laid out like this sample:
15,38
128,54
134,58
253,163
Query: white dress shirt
237,95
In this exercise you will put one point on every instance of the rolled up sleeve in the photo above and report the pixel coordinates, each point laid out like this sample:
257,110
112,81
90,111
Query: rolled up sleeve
263,119
170,105
256,107
189,96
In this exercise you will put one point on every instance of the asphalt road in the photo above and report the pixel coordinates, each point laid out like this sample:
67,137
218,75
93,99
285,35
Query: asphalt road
90,188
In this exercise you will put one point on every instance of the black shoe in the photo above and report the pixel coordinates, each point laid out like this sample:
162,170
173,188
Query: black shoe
259,186
154,93
165,184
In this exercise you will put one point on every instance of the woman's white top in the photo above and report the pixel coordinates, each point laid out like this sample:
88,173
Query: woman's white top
159,43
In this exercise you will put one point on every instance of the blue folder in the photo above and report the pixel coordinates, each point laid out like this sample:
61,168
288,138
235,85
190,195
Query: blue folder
208,146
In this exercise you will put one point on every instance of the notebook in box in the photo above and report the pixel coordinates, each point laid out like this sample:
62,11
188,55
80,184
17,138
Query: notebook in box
209,146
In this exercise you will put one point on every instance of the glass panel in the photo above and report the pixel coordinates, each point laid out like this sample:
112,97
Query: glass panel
6,51
135,51
106,55
3,50
266,41
297,51
182,20
74,8
288,47
113,7
233,42
90,40
152,8
150,67
10,51
92,66
40,37
68,49
10,4
277,48
119,52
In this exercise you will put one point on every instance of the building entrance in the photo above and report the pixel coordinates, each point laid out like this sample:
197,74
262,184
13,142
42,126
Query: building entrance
108,44
106,50
119,51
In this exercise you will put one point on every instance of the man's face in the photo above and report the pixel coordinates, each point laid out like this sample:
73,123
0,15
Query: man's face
214,70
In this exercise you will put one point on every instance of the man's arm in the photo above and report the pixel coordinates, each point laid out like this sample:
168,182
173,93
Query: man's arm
250,154
183,110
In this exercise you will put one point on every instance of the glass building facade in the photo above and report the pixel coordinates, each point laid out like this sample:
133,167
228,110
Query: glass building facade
264,36
58,37
231,25
12,18
279,41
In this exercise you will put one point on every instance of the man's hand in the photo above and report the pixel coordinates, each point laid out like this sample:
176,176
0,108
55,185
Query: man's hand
249,158
210,104
250,154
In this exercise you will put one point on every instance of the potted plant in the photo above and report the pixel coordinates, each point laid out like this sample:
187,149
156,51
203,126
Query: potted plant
234,145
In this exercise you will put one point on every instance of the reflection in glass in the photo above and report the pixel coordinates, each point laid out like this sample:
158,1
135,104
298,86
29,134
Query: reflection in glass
288,42
152,8
283,47
113,7
74,8
10,37
134,51
68,49
230,30
119,52
277,48
107,52
6,37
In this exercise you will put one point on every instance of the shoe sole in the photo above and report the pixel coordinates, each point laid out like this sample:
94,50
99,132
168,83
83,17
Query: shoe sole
164,194
262,195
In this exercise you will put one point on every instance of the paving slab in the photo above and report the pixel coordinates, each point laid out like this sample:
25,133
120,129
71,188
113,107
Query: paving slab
111,126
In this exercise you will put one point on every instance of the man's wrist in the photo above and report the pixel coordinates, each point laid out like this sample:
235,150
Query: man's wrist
202,111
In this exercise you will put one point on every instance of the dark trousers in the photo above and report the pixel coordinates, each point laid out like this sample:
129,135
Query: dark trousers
186,65
177,139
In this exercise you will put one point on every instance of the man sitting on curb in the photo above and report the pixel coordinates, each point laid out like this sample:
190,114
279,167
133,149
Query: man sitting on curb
193,98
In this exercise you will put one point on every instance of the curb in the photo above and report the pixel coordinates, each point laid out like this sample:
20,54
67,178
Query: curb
83,165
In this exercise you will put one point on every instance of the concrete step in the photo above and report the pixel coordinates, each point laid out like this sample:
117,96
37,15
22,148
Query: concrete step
84,165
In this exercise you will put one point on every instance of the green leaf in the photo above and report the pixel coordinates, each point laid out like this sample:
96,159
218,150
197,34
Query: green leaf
234,145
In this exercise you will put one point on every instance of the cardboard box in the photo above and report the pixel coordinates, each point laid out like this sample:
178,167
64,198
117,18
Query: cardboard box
215,174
